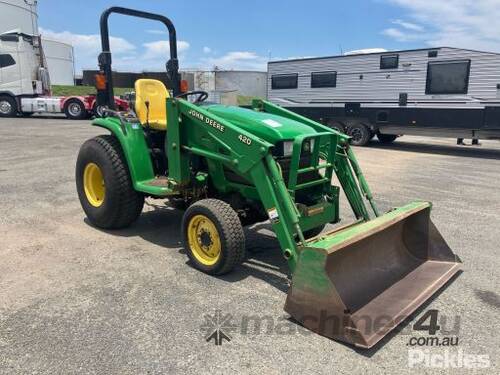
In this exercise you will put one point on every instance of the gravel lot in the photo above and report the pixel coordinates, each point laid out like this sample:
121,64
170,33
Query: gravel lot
75,299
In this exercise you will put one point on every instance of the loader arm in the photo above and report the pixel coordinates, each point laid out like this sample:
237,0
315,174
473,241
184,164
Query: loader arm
194,130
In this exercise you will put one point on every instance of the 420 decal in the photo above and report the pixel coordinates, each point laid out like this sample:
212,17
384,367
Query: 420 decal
244,139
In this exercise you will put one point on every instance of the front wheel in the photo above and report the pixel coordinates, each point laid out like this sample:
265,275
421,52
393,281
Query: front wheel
8,106
213,236
104,185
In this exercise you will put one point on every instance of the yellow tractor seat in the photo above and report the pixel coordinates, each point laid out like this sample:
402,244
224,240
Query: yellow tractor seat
150,103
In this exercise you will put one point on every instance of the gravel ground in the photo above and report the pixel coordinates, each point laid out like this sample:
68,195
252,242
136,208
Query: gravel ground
75,299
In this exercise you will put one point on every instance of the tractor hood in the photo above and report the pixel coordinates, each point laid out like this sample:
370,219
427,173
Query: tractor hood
269,127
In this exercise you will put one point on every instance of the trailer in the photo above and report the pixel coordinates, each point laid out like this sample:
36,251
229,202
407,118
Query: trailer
442,92
25,82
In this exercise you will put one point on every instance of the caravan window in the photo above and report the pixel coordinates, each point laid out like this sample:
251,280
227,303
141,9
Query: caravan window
323,79
284,81
447,77
6,60
389,61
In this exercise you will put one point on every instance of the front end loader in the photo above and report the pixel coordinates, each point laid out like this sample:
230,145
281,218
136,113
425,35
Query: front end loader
229,167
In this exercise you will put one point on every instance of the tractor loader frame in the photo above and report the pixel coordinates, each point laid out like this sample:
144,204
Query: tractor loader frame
354,283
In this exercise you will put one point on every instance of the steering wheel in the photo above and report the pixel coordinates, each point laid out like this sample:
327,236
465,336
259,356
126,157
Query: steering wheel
202,95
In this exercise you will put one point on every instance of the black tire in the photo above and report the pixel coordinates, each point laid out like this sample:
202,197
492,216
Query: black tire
386,138
74,109
335,125
98,110
313,232
8,106
229,230
360,134
121,204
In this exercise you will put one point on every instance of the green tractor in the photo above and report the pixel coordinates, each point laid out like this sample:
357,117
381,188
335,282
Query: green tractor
231,167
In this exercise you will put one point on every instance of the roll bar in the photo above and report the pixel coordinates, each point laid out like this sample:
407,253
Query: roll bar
107,98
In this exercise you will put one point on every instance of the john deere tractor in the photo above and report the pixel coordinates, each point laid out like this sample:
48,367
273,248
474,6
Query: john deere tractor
231,167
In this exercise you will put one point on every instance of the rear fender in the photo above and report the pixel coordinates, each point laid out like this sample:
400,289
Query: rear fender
134,146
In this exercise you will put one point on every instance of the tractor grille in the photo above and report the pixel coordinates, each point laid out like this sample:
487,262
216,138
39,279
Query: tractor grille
284,164
305,161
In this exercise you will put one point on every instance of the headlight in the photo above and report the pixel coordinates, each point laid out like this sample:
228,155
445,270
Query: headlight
287,148
307,146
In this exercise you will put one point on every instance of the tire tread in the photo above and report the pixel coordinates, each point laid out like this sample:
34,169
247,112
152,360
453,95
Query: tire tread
130,202
232,232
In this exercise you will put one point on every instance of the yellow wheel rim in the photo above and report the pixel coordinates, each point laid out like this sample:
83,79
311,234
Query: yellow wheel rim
93,184
204,240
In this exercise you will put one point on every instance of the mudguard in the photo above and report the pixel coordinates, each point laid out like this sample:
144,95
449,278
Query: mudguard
134,146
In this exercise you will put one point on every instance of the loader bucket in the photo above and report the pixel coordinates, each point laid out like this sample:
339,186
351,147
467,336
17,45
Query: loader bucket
358,283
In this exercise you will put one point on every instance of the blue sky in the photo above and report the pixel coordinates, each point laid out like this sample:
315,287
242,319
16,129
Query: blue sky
245,34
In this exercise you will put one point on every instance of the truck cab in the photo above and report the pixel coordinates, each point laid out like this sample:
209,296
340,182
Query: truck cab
19,65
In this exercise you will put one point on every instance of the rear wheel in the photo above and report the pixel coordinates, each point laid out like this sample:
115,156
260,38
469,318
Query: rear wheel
104,185
360,134
386,138
8,106
98,110
213,236
75,110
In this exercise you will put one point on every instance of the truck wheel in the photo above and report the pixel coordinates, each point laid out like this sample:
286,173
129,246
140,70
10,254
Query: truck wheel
335,125
75,110
104,185
98,110
8,106
213,236
313,232
360,134
386,138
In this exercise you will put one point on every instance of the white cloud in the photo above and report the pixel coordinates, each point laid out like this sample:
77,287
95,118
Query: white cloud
125,54
88,46
408,25
401,36
238,60
207,49
365,50
157,32
161,49
457,23
88,43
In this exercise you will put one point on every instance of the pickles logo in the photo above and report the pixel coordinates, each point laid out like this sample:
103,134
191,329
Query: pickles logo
214,124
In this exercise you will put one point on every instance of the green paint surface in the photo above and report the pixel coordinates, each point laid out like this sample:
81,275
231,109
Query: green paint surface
272,128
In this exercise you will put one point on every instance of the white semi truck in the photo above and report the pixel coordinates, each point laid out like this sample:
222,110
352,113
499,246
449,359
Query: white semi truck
25,83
